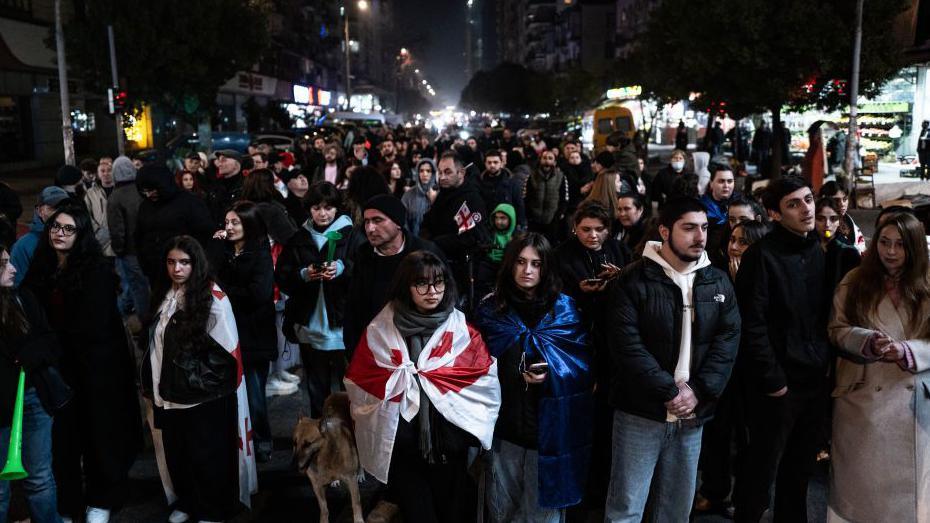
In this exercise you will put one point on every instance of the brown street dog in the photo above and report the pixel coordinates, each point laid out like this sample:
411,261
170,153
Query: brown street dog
325,451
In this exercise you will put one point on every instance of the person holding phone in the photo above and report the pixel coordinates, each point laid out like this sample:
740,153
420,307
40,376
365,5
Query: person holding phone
588,262
539,460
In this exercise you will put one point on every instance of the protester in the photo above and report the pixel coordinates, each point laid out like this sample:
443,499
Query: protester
23,250
630,225
604,191
97,435
68,178
420,350
848,232
240,259
881,330
27,342
259,189
498,185
190,374
95,199
839,257
503,224
546,197
661,186
297,185
122,213
538,464
420,198
317,288
165,212
375,263
668,378
741,209
720,188
784,356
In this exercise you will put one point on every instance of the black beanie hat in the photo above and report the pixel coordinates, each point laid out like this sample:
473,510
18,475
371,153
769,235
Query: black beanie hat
605,159
68,175
390,205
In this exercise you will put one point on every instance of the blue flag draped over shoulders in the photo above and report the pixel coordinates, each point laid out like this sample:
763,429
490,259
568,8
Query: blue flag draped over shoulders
566,408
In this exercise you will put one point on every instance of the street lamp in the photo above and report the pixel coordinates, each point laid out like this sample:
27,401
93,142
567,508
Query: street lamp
362,6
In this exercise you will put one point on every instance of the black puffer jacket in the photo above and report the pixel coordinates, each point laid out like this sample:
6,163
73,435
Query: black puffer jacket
503,188
784,306
175,212
248,281
298,254
645,335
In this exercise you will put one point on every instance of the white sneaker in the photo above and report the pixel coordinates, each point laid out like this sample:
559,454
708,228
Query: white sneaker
97,515
178,517
276,387
288,377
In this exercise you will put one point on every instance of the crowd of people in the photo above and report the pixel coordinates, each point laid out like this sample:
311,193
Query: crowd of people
526,331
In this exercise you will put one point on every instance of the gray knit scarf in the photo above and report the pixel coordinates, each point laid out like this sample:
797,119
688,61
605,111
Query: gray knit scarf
416,329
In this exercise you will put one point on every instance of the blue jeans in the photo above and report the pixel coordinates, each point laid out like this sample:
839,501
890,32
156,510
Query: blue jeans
652,460
256,377
513,487
134,287
41,494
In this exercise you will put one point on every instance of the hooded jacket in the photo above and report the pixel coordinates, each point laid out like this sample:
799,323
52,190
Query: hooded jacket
701,162
417,200
25,248
502,238
305,298
123,210
655,339
175,212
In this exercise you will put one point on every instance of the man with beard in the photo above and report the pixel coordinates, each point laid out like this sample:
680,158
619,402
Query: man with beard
546,197
388,157
227,188
329,170
498,185
675,330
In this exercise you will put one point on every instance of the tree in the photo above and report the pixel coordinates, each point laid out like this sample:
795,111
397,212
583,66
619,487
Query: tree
509,88
576,90
761,55
174,53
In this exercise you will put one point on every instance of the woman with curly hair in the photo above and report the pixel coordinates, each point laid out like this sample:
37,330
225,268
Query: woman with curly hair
97,435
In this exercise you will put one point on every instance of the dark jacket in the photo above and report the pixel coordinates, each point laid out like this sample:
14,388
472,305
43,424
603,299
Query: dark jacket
369,285
546,197
839,259
577,262
645,336
440,226
248,281
298,254
10,211
37,350
784,307
277,222
175,212
295,209
95,360
503,188
662,184
122,213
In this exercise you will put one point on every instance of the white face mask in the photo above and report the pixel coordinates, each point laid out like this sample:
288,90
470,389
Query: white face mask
677,166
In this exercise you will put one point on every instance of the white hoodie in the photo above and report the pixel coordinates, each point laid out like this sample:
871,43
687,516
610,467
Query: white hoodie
685,282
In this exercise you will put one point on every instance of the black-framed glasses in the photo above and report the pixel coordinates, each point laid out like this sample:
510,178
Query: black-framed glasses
67,230
422,286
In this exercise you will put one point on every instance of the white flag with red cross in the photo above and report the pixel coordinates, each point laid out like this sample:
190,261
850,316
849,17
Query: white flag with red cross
466,219
454,369
223,331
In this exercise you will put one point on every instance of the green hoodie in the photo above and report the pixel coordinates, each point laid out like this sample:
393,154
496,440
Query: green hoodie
501,239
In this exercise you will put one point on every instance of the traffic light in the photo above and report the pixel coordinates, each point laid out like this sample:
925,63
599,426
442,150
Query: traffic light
117,100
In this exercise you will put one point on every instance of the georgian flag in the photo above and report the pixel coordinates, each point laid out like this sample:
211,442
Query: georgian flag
222,324
456,372
465,219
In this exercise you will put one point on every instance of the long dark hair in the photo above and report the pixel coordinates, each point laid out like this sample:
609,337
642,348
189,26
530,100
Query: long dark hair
258,187
13,321
867,283
253,227
550,285
422,265
85,256
198,291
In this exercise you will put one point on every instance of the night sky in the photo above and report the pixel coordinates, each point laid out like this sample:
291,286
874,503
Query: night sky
434,31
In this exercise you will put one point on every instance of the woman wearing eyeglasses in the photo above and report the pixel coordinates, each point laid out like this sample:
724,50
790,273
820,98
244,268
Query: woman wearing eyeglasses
423,389
96,436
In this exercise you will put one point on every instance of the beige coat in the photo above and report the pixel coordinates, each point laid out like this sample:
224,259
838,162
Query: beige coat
881,418
96,201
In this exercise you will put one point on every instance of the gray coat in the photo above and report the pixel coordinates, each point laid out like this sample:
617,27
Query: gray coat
881,446
122,210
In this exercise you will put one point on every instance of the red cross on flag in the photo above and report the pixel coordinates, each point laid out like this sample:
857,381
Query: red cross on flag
465,219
